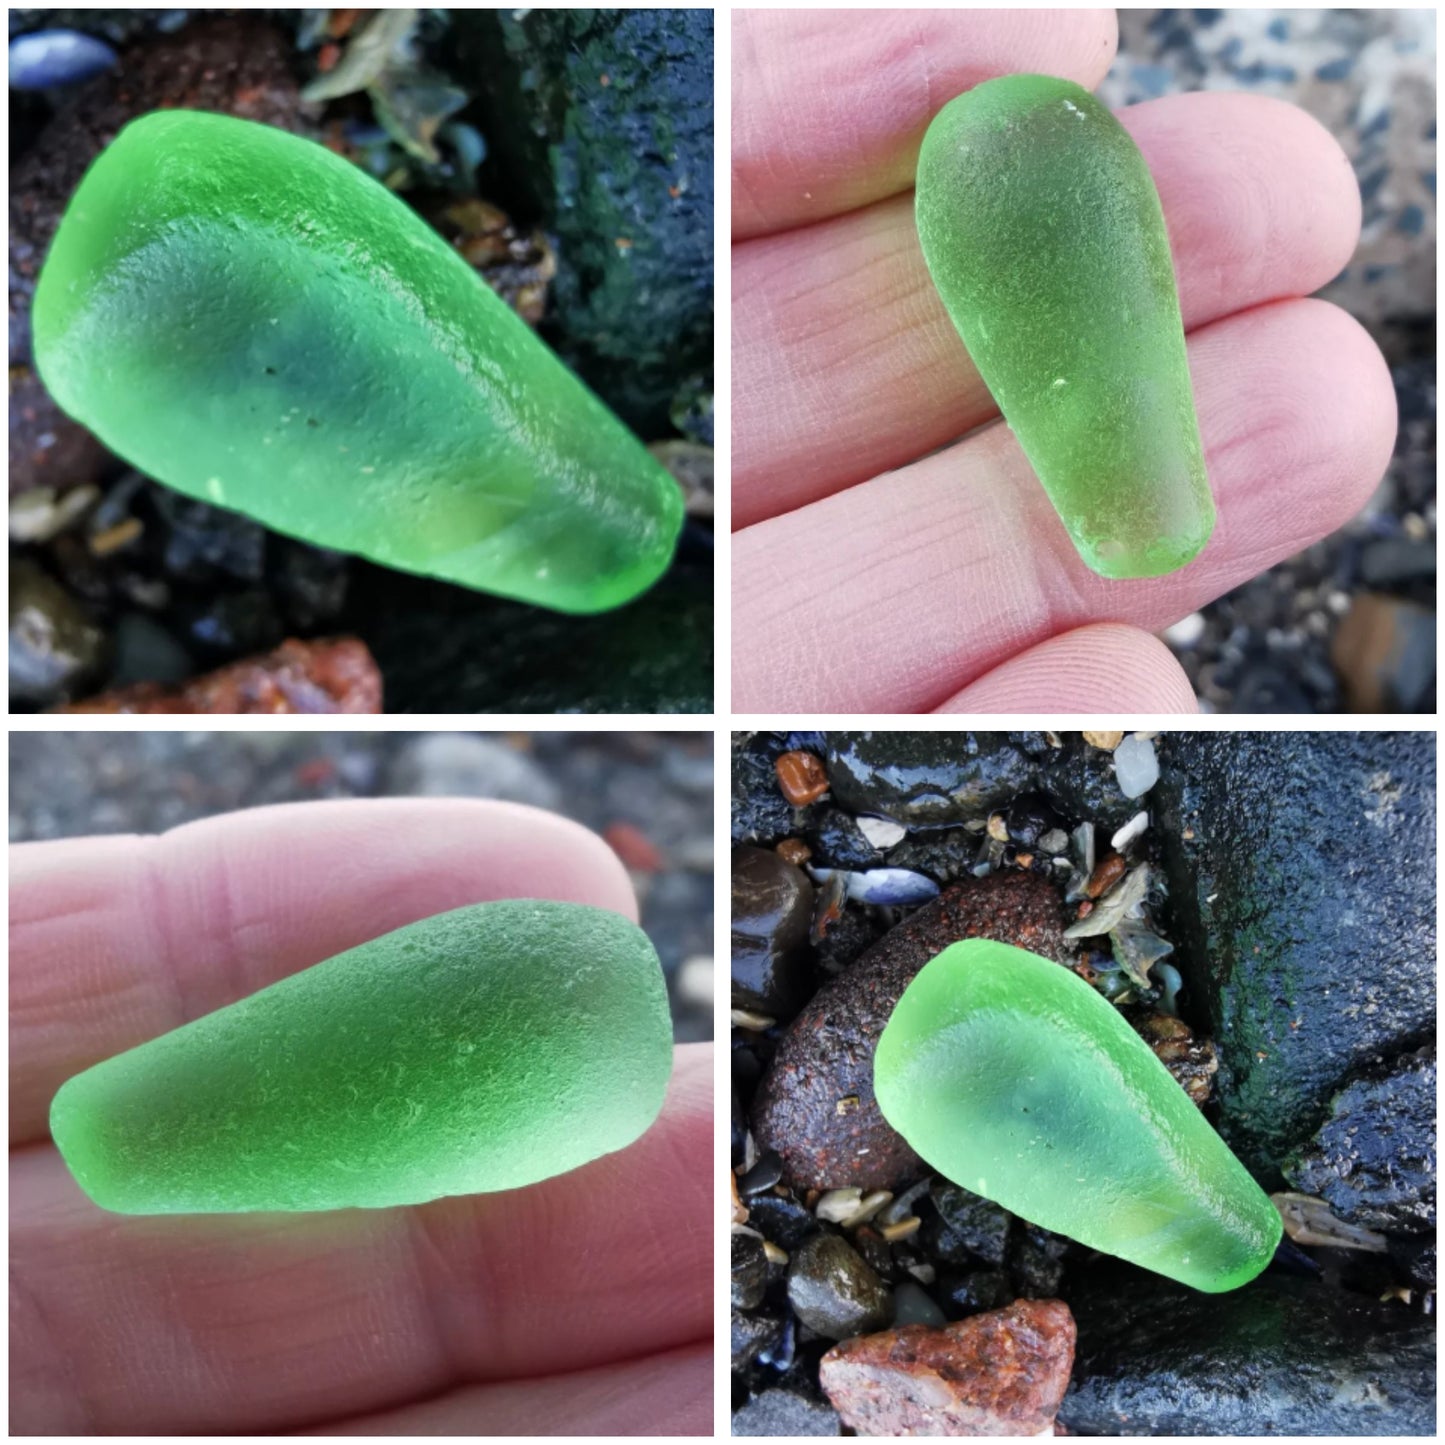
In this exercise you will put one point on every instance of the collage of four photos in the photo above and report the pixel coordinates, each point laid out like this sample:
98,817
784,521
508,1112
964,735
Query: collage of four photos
539,454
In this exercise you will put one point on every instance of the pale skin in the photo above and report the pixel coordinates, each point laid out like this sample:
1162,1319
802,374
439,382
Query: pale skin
581,1305
880,562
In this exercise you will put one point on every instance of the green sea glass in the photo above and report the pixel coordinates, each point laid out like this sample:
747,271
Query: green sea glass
1010,1075
482,1049
254,321
1044,235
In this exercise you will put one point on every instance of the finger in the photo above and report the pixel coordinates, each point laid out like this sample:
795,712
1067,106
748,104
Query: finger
114,941
1104,667
184,1324
829,108
669,1394
846,363
893,595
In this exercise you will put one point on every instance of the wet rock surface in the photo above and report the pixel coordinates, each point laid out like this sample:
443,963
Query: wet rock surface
55,650
1002,1373
1373,1160
782,1412
833,1291
1302,886
1284,1356
816,1105
772,910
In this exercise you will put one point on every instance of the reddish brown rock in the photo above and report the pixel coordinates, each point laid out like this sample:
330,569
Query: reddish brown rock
333,676
1003,1373
804,1107
801,777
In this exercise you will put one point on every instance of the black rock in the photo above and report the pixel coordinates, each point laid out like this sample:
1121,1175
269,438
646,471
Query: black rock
1038,1263
967,1228
55,650
784,1413
1301,877
782,1220
1029,817
838,842
1373,1160
753,1335
855,930
973,1292
1414,1257
762,1176
1282,1356
310,581
760,813
834,1292
204,543
772,903
739,1130
946,854
926,778
227,624
749,1270
600,123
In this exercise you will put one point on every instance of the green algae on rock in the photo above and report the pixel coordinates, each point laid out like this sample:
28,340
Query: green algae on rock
482,1049
1044,235
1015,1079
254,321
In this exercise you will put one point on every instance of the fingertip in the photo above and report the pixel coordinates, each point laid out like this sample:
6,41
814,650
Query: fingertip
1103,667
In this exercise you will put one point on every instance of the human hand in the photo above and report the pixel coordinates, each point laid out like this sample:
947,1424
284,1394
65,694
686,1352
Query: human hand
581,1305
873,573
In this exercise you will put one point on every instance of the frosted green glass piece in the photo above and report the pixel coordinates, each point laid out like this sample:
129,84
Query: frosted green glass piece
1044,235
482,1049
255,322
1010,1075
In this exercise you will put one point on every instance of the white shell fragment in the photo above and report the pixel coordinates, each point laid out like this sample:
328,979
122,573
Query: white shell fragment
882,833
1134,828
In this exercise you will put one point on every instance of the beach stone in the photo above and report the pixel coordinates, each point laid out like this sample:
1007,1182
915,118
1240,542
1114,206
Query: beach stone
784,1413
1285,1356
833,1291
815,1104
1301,877
1002,1373
749,1270
772,907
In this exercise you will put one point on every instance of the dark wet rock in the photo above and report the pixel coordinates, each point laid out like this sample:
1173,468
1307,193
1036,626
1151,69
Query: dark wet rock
310,582
237,65
749,1270
1373,1160
854,930
753,1335
772,905
785,1413
838,842
205,543
763,1175
926,778
760,813
55,650
973,1292
997,1374
600,124
146,652
877,1254
967,1227
913,1305
781,1220
946,854
1192,1061
834,1292
1282,1356
230,622
1414,1257
1029,817
739,1129
815,1105
1302,894
1038,1262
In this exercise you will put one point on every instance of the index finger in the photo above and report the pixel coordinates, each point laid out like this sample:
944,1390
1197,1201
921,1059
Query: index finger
116,940
829,107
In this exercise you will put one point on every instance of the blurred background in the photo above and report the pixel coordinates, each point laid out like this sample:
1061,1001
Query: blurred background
1349,624
648,794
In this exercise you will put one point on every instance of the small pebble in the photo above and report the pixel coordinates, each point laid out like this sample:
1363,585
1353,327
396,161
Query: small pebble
1111,869
1187,631
47,58
837,1204
794,851
1107,741
882,833
912,1306
834,1292
1134,828
1055,841
1136,766
802,778
870,1206
749,1270
762,1176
